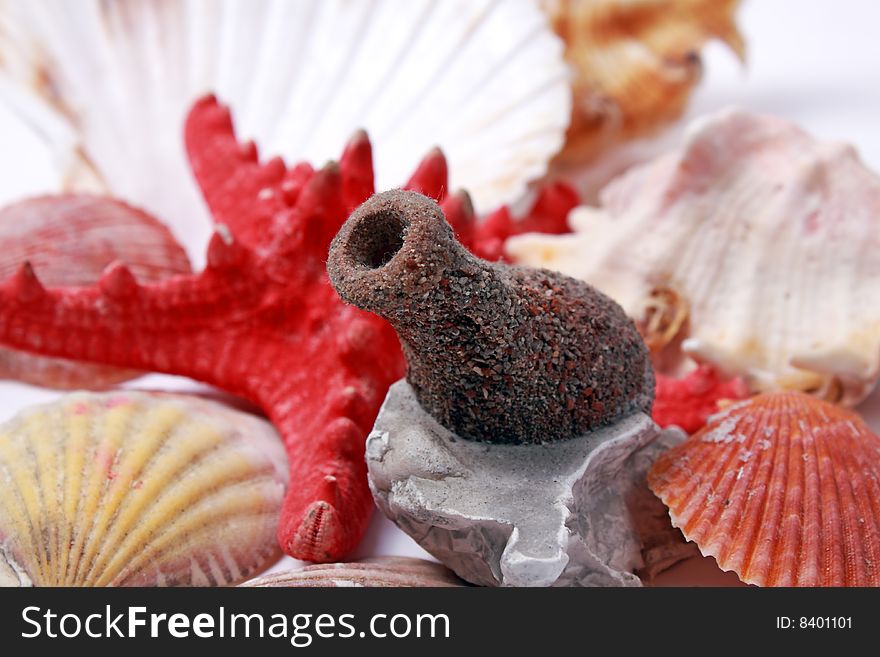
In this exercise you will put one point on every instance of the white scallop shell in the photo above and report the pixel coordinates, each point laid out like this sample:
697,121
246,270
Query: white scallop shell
484,80
772,239
127,488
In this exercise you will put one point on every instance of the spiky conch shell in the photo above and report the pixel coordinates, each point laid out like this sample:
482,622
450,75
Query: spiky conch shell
484,80
133,489
376,572
783,489
69,240
636,64
757,244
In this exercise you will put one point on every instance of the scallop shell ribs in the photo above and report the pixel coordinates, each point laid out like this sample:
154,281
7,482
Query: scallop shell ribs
783,489
132,489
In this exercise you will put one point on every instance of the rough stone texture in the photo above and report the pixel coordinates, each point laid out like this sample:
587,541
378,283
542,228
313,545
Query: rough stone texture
513,515
495,353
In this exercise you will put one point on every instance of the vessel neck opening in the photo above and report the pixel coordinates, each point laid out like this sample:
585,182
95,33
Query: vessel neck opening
376,239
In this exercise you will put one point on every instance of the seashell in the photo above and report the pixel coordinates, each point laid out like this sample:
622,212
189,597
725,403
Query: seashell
635,62
767,240
69,240
783,489
131,489
378,572
484,80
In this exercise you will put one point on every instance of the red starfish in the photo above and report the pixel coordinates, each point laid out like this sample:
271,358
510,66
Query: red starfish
261,321
689,401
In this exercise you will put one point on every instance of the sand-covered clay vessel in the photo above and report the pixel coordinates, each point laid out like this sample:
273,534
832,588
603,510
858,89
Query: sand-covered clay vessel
546,369
495,353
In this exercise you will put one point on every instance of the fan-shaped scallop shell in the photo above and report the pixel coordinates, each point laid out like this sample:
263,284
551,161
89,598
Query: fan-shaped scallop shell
486,81
783,489
132,489
377,572
69,240
755,243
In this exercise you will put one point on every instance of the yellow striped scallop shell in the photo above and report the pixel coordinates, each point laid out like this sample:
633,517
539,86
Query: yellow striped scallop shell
134,489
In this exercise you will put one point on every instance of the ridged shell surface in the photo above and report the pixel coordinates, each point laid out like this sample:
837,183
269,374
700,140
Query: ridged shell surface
69,240
756,245
486,81
133,489
783,489
377,572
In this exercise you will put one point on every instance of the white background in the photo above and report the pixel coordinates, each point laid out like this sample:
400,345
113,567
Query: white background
816,62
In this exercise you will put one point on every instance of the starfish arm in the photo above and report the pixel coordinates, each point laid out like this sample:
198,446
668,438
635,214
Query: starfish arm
324,419
356,165
459,212
244,194
548,214
252,198
191,325
431,177
321,380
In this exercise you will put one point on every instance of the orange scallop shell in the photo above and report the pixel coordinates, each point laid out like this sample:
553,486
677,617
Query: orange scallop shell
783,489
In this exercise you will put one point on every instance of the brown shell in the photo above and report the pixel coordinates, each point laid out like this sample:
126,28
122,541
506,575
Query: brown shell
378,572
69,240
783,489
635,63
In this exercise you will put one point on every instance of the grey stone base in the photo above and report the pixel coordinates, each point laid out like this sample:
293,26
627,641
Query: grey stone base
513,515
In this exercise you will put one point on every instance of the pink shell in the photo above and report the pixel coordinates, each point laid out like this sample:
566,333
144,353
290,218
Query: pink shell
783,489
69,240
377,572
